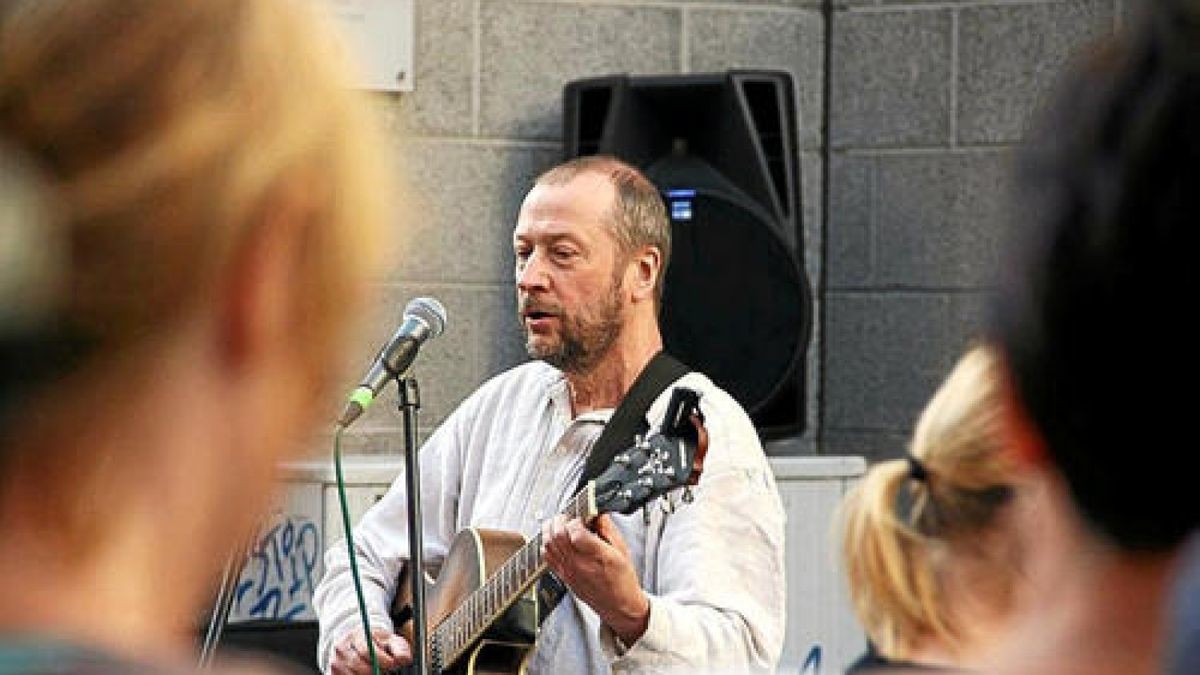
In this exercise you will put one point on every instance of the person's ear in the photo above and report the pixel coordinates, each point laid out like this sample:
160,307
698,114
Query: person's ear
646,268
1022,439
259,302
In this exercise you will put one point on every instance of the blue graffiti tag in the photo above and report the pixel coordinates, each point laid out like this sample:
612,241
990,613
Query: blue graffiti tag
812,663
277,579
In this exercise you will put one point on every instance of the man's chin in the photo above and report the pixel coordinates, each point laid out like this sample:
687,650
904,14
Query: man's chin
543,351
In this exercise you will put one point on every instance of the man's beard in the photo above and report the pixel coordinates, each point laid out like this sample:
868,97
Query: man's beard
583,339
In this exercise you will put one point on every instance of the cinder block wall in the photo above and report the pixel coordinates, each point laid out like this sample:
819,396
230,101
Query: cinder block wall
927,101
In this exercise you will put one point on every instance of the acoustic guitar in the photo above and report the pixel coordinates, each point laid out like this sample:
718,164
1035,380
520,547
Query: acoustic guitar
482,611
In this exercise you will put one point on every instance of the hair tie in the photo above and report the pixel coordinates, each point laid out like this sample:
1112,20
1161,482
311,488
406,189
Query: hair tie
916,470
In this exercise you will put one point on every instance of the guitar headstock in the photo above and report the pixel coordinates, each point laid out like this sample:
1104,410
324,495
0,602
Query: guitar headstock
670,459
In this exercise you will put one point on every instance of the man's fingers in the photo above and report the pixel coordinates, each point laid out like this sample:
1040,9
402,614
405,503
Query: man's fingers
582,541
347,661
362,654
353,657
609,532
555,538
391,650
397,648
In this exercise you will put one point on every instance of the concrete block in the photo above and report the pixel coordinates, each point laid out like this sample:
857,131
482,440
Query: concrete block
440,103
872,445
504,340
891,78
530,50
887,352
1010,55
810,197
851,216
854,4
462,206
750,4
939,219
792,41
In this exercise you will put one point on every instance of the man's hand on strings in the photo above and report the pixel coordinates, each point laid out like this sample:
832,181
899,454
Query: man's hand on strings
596,567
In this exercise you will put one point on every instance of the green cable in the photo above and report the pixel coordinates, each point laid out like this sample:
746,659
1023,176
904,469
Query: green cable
362,603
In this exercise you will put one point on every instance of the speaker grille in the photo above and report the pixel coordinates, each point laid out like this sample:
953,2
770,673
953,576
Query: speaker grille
733,301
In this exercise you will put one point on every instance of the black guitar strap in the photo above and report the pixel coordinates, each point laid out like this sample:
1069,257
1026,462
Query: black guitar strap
627,421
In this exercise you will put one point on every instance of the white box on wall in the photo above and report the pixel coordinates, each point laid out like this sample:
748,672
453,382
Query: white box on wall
823,635
379,35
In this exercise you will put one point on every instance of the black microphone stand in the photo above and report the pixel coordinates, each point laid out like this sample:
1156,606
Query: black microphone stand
410,403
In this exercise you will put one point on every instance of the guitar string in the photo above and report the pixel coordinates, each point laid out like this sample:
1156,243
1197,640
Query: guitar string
463,626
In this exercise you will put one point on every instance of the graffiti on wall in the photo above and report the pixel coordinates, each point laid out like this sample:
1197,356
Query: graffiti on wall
278,577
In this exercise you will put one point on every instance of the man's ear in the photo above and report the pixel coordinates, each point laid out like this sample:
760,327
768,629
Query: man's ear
259,300
647,267
1022,439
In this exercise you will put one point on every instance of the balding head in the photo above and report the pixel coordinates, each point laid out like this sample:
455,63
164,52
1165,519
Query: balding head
638,217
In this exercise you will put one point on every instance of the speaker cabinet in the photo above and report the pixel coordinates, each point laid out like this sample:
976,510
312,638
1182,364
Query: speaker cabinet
722,150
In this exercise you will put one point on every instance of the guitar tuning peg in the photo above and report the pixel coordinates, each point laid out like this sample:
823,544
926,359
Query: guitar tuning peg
688,497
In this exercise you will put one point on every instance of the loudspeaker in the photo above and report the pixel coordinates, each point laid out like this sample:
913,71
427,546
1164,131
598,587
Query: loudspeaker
722,149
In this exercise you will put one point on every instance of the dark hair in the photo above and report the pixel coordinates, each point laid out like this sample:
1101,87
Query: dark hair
1092,315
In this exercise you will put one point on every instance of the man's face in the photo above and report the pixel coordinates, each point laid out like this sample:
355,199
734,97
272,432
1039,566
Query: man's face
568,272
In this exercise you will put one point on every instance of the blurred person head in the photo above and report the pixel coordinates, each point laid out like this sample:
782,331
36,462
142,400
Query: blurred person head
207,202
1097,347
1092,317
927,541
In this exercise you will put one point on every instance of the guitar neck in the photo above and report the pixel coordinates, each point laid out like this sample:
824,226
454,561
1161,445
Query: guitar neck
458,631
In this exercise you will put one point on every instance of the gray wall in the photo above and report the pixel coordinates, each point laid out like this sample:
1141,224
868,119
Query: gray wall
927,100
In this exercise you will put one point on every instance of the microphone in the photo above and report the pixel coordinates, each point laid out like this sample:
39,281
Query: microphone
424,319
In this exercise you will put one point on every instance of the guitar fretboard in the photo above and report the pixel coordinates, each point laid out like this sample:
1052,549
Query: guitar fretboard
458,631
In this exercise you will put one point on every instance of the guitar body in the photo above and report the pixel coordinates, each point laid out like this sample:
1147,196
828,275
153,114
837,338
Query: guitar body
475,554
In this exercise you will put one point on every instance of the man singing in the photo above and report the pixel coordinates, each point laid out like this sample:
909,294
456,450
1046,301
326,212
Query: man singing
697,590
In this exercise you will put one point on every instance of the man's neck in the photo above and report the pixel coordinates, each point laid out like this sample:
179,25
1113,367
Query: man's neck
605,384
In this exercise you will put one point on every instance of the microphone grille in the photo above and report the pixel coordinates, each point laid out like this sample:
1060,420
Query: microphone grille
431,312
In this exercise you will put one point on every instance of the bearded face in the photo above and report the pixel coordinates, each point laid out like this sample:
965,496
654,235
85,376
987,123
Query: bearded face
572,339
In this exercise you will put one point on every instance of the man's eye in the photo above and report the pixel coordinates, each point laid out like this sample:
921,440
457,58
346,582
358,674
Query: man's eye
564,252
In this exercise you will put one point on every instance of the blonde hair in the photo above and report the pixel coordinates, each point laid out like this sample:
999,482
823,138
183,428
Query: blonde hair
172,137
907,520
167,132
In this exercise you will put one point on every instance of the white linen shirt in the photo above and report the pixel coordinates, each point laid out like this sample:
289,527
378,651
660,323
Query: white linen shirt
510,457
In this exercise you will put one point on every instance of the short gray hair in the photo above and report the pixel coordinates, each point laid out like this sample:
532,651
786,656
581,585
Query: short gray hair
639,217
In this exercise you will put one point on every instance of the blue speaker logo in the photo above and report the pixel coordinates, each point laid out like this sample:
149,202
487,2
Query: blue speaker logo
681,204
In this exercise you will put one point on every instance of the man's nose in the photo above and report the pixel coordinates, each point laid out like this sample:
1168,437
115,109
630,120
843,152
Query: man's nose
531,273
